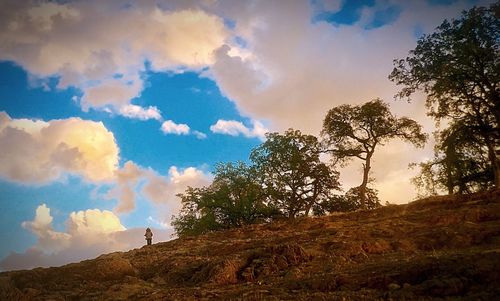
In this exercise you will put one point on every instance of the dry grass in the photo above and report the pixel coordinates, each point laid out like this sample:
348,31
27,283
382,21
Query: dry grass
441,247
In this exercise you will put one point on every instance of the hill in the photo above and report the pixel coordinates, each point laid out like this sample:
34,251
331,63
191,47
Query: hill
440,247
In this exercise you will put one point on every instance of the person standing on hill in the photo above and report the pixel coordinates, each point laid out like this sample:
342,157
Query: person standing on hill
149,236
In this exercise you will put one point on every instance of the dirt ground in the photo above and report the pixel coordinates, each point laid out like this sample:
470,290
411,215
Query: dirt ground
432,249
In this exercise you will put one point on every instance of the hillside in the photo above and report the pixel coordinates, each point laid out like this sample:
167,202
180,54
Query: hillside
429,249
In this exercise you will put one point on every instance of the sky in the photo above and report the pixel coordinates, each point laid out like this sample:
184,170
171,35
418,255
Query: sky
108,109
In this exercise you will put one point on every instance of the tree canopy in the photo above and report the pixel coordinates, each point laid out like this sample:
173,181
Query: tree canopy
355,132
460,164
458,67
295,179
233,199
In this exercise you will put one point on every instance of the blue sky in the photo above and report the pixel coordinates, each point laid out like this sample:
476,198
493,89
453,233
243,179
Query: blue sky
186,98
109,109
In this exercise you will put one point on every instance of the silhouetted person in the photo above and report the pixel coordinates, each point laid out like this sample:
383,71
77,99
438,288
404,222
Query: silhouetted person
149,236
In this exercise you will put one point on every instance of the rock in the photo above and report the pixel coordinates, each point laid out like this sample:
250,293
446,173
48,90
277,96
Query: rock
112,268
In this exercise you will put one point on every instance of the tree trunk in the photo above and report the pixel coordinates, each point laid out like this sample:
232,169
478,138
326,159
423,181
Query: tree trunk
362,187
495,163
312,201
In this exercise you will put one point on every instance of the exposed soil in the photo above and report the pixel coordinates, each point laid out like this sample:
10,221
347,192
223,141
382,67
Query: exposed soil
432,249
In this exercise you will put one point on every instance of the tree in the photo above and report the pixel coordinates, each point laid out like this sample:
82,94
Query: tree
460,164
458,67
353,197
350,201
294,178
195,216
355,132
234,198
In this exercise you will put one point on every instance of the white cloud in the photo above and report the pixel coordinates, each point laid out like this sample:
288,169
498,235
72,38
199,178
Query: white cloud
296,73
170,127
48,239
93,222
89,233
200,135
101,47
138,112
236,128
39,152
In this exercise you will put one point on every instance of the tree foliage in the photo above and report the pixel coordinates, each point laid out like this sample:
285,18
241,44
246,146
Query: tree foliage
355,132
460,164
233,199
294,178
458,67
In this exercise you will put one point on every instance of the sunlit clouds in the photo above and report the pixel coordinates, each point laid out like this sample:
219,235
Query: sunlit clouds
101,48
159,91
88,233
39,152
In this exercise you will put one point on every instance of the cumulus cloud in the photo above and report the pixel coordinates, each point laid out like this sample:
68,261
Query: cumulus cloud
236,128
38,152
133,181
89,233
138,112
162,190
170,127
101,47
298,70
289,73
48,239
92,222
126,179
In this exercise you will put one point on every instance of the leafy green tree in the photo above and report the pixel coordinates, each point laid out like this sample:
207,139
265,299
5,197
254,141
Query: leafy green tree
234,198
195,217
355,132
294,178
458,67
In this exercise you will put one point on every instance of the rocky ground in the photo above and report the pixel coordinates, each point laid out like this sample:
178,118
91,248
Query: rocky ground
432,249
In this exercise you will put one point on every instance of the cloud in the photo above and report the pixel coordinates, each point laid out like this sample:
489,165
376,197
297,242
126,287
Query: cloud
89,233
101,48
200,135
162,190
153,221
126,179
39,152
116,92
133,181
236,128
48,239
297,71
170,127
138,112
93,222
